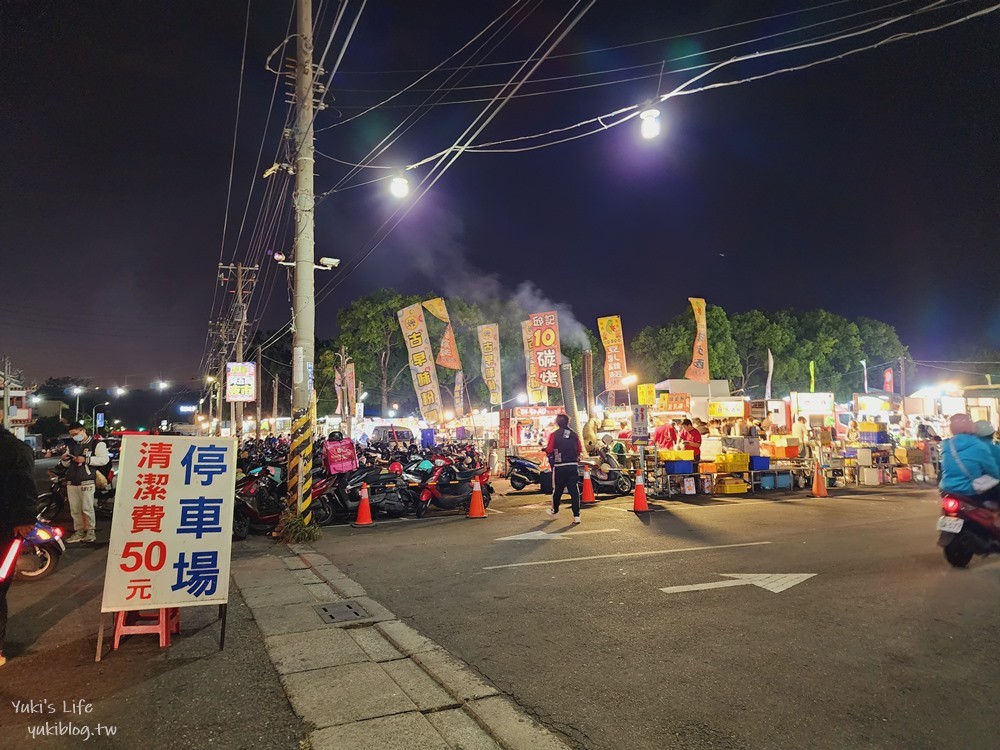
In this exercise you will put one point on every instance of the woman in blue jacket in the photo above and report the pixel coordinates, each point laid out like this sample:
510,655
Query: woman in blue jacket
966,457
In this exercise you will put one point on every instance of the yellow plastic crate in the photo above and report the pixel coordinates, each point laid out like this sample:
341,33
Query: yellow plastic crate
732,488
666,455
870,427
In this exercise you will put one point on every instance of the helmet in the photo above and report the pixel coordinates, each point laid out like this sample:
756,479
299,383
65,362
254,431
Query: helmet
984,428
336,435
396,468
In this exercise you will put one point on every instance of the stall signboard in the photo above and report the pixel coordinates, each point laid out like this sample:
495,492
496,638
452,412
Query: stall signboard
728,409
647,393
505,428
675,402
640,424
813,403
459,393
698,370
241,381
537,393
489,345
531,412
613,341
888,380
421,361
171,534
543,329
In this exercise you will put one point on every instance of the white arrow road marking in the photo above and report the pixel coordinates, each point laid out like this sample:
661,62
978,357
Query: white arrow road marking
774,582
623,554
546,535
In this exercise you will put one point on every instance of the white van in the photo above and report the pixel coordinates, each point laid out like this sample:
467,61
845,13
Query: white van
391,434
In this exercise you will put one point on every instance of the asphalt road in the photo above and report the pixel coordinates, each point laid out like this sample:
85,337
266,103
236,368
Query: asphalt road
885,646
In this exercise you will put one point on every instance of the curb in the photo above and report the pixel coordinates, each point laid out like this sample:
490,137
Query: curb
371,682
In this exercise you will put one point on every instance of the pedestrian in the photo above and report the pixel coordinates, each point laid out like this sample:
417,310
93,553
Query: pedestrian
690,439
86,456
564,449
18,499
800,431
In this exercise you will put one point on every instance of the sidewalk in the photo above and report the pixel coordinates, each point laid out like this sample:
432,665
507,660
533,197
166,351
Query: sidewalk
365,679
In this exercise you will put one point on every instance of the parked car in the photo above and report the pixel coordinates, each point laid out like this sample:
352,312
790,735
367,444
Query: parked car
391,434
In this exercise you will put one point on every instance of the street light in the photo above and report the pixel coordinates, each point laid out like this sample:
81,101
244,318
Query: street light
77,390
36,400
363,396
628,381
399,187
162,385
120,391
650,123
392,413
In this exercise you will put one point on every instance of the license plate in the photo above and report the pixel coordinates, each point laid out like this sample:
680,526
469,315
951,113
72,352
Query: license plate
61,545
950,525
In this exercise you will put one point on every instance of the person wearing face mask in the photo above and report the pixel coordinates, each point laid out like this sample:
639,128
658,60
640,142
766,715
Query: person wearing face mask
86,456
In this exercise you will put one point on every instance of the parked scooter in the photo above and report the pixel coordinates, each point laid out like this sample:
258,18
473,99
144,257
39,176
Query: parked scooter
606,474
521,472
446,486
37,554
968,527
55,501
389,493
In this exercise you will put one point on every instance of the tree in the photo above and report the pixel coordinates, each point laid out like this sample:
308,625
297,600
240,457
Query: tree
754,334
665,351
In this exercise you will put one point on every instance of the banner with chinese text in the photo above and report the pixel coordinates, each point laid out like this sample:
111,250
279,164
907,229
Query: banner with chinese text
543,330
613,341
352,390
646,393
675,402
438,309
459,393
172,530
537,394
421,360
698,371
448,353
489,345
889,380
241,381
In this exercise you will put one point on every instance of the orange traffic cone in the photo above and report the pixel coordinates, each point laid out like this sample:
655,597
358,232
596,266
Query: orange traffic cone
819,483
476,507
640,505
588,487
364,510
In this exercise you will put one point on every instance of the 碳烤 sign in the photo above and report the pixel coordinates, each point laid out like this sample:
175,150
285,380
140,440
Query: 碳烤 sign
543,329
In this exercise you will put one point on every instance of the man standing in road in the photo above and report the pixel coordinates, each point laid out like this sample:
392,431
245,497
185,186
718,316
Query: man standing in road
86,455
564,449
17,508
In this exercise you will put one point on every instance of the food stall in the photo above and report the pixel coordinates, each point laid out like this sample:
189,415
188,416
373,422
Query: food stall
524,430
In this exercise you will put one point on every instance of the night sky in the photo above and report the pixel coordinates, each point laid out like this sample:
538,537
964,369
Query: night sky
867,186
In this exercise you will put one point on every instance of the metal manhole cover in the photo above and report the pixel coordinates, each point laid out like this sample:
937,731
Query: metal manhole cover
341,612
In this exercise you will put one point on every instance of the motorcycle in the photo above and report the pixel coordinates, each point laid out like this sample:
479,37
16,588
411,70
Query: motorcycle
606,475
55,501
445,485
259,502
521,472
388,492
38,553
967,527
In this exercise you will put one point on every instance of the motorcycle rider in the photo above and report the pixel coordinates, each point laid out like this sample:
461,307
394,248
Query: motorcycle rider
564,449
85,454
968,464
17,507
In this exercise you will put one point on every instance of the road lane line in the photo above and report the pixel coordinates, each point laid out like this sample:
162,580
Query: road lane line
622,554
588,531
494,510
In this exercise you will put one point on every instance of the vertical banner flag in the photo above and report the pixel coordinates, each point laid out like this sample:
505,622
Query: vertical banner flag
352,390
421,360
438,309
459,393
489,345
698,371
770,374
537,394
448,351
864,367
812,376
888,380
613,341
544,331
171,535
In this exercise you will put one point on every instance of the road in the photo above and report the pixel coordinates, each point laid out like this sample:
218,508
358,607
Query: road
885,646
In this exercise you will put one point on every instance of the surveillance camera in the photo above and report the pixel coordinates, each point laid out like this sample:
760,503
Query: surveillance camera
279,257
329,262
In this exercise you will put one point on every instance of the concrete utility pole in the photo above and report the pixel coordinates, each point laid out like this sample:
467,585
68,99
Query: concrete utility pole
244,278
222,387
274,406
6,393
902,381
304,306
259,385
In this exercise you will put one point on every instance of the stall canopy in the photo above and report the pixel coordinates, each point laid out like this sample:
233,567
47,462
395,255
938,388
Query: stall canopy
711,388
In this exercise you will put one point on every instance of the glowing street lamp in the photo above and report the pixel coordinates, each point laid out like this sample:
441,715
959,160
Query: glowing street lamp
162,385
399,187
650,123
77,390
628,381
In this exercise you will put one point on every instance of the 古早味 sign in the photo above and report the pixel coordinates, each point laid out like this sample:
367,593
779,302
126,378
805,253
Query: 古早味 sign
420,357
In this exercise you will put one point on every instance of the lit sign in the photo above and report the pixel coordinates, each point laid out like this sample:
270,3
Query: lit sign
814,403
187,408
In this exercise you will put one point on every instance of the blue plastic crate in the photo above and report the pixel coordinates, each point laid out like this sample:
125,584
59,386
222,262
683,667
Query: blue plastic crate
678,467
760,463
776,481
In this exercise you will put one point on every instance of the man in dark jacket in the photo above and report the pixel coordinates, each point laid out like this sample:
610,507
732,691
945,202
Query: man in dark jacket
18,498
564,450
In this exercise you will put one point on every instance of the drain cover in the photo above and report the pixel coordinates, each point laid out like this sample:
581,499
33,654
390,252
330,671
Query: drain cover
341,612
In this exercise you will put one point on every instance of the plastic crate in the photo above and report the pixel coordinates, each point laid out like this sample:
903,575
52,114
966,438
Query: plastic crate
760,463
731,488
668,455
776,481
868,437
868,426
707,467
785,451
678,467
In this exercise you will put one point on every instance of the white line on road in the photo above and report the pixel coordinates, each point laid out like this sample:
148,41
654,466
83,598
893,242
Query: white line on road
589,531
549,535
623,554
494,510
773,582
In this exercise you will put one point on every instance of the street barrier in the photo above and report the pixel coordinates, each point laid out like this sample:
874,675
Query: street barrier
364,517
476,507
639,504
588,487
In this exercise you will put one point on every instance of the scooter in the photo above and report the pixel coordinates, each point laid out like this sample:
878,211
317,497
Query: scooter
53,502
388,492
968,527
447,487
521,472
37,553
606,475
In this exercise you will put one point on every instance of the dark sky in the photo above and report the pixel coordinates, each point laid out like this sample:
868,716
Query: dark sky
868,186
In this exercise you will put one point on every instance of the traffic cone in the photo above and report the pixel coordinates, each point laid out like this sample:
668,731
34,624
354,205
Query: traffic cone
819,483
364,510
640,505
588,487
476,507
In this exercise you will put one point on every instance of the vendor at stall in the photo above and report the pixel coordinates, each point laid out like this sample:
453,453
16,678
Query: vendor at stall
665,434
690,439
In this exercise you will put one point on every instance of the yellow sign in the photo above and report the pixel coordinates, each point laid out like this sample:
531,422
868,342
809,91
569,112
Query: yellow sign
698,371
728,409
537,393
438,309
489,345
675,402
613,341
421,359
647,394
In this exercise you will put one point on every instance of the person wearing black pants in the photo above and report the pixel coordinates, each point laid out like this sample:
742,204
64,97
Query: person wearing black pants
564,449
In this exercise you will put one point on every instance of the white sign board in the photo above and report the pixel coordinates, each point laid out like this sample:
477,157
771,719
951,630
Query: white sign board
171,534
241,381
640,422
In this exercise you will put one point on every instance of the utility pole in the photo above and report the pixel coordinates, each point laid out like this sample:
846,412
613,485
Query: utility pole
222,387
259,386
6,393
902,381
304,309
244,278
274,407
